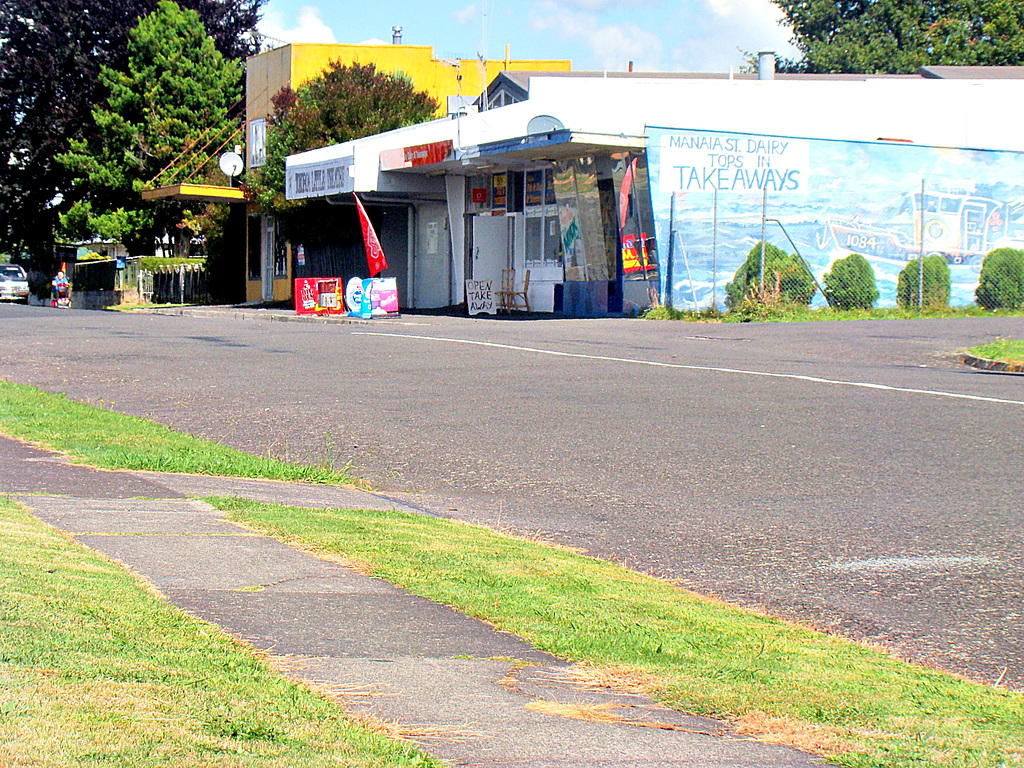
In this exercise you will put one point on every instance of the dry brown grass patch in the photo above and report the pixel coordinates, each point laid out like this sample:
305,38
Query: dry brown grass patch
816,739
591,713
612,678
416,732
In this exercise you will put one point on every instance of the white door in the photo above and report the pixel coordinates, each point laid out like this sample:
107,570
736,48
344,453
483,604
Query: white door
491,236
432,265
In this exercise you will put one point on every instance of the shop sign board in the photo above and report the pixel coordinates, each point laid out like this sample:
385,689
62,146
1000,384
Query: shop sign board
480,297
330,177
416,155
318,296
367,298
499,190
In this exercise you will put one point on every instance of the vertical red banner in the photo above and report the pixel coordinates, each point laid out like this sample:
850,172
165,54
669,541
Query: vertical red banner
374,253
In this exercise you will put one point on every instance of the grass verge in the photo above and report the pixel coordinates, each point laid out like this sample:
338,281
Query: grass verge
95,670
115,441
799,313
1003,350
855,705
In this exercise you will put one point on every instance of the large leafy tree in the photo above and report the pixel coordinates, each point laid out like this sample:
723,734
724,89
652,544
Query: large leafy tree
345,102
899,36
174,106
50,60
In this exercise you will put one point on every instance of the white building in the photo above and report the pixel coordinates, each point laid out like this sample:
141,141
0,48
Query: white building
538,184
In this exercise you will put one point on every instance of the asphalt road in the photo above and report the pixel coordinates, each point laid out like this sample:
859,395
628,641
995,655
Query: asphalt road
853,476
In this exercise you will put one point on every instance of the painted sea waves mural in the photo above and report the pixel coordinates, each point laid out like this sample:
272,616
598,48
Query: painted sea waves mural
714,194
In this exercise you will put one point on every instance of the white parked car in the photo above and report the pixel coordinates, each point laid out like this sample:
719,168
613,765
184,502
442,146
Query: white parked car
13,283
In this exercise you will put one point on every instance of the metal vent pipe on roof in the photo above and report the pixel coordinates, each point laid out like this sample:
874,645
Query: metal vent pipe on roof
766,65
396,35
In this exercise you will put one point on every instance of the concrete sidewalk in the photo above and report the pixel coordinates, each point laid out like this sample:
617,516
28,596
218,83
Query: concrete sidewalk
467,693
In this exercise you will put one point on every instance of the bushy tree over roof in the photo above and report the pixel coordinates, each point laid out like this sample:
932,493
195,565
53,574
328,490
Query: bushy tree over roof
899,36
344,103
50,62
177,102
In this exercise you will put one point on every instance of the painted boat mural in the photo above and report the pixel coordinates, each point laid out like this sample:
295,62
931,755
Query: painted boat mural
826,199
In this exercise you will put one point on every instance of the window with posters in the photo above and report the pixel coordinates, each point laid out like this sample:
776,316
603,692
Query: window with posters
499,191
636,219
543,237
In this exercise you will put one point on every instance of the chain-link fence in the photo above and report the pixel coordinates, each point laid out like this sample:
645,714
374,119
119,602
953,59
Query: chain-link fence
925,249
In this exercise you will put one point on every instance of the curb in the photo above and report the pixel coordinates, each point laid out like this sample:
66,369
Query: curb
269,315
996,366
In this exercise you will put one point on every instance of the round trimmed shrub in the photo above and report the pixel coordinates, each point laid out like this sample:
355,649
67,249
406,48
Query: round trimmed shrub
937,283
851,284
1001,285
784,275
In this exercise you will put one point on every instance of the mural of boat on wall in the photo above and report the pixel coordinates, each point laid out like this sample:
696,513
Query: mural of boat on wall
826,199
960,227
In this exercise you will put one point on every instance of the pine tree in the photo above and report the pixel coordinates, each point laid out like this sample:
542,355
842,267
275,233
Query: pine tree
50,61
177,102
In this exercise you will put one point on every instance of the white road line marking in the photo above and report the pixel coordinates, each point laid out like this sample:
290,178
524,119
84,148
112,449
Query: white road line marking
683,366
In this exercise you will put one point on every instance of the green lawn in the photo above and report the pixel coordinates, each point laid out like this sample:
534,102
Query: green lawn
97,671
1004,350
796,314
105,438
855,705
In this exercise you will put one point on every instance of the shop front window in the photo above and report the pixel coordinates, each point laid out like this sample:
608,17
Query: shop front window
586,218
280,258
543,238
636,219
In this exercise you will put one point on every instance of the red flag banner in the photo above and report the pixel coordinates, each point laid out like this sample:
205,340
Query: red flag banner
374,253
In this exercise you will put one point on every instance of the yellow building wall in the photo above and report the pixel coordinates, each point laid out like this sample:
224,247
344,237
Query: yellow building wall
298,63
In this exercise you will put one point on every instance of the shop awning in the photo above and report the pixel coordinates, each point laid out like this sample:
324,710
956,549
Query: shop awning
203,193
514,153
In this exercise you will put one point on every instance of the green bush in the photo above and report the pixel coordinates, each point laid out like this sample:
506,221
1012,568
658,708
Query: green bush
937,283
786,279
851,284
1001,285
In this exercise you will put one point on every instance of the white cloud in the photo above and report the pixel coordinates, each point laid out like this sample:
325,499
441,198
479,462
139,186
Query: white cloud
600,5
726,30
612,46
687,35
309,27
467,14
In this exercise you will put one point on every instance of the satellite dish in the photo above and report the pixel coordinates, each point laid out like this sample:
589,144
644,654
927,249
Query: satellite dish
544,124
231,163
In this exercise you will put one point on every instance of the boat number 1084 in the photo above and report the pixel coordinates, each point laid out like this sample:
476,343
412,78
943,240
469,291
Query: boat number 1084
860,241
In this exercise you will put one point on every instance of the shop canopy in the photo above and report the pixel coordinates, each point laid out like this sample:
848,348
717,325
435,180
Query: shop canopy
203,193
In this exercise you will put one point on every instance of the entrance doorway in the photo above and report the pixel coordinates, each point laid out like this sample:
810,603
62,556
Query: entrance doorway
492,241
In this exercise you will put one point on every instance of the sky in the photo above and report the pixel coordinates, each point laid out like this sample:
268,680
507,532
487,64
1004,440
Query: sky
656,35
